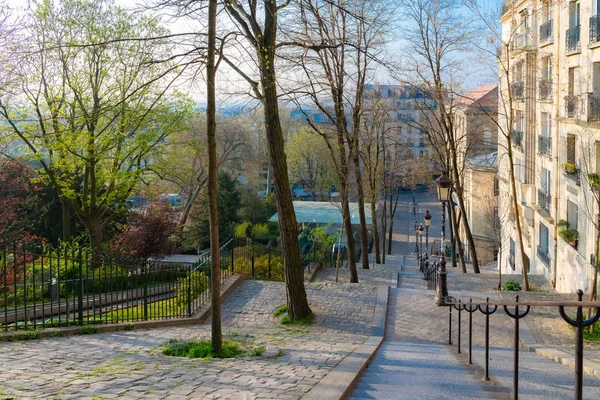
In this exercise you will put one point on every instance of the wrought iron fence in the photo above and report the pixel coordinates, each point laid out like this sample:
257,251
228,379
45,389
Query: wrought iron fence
42,287
518,310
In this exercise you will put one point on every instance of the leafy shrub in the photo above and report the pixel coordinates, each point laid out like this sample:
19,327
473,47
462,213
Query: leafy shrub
203,350
129,327
512,286
87,330
33,335
194,286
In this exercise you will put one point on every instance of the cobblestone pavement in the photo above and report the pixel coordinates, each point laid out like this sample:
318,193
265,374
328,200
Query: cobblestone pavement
129,365
377,276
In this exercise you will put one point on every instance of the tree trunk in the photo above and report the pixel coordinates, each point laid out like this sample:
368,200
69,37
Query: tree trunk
456,229
452,240
383,225
594,291
66,220
516,209
392,214
364,240
374,230
211,133
296,293
349,238
461,204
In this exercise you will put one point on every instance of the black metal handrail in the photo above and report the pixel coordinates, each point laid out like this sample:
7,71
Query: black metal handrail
545,87
595,28
518,310
544,144
572,40
546,31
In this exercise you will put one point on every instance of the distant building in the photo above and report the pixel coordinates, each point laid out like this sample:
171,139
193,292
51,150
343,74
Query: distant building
481,202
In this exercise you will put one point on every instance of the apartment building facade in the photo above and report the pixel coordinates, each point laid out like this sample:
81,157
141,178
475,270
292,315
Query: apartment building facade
549,74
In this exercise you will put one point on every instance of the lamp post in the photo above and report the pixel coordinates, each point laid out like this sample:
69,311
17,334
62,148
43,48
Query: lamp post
420,230
427,219
444,184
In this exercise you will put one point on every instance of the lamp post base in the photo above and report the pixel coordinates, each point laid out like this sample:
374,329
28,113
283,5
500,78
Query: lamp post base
441,295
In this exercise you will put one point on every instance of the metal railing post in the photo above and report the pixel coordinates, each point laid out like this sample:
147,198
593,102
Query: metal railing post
145,281
579,323
487,313
470,310
516,316
80,300
189,291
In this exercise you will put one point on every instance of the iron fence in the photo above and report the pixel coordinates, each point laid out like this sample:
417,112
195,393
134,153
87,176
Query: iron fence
42,287
595,29
518,310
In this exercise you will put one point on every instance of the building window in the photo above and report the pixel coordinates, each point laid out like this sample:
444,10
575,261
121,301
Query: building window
511,256
571,149
542,249
572,214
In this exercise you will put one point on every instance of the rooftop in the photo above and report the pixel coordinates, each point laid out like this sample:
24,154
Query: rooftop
323,212
485,160
483,96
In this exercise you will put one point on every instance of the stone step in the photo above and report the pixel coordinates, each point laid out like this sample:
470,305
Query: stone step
410,370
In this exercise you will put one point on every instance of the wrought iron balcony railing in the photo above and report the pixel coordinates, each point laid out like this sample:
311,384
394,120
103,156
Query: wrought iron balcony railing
544,144
522,40
572,172
595,28
545,86
546,31
571,106
544,201
572,38
593,107
543,255
517,89
517,138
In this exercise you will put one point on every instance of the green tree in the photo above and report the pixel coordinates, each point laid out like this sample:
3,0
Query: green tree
228,202
309,162
90,103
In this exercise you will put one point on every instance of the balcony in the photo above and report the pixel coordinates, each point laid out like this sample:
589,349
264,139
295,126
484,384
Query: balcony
572,172
516,89
544,201
522,40
517,138
572,39
544,144
546,32
593,107
595,29
545,86
543,255
571,105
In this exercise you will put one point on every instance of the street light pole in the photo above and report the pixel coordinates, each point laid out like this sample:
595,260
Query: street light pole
420,241
444,185
427,219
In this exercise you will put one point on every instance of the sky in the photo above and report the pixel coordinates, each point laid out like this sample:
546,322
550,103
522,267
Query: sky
476,72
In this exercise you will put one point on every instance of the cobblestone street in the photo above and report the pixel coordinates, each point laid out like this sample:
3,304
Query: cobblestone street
129,365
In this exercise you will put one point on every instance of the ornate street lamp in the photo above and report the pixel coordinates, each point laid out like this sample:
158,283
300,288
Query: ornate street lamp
427,219
444,186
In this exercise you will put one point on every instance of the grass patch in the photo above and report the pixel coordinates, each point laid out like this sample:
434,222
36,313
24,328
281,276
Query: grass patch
129,327
204,350
281,310
512,286
87,330
287,320
33,335
592,337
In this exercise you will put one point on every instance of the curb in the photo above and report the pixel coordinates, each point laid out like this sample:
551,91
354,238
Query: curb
340,381
198,317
